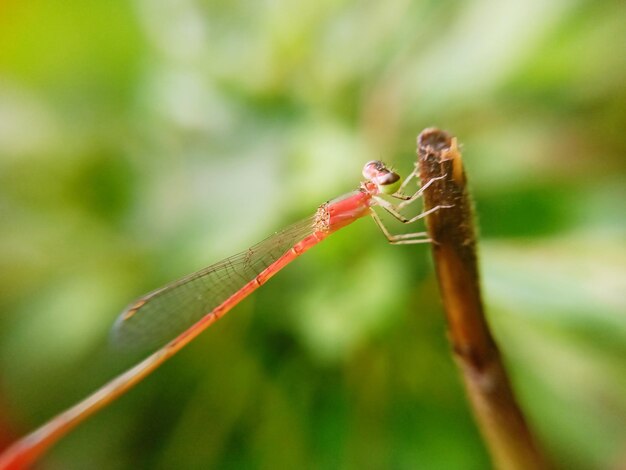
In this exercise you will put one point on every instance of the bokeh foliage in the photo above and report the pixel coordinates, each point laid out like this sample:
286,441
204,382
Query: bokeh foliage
142,140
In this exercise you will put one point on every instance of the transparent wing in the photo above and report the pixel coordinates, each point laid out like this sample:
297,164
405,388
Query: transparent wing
158,317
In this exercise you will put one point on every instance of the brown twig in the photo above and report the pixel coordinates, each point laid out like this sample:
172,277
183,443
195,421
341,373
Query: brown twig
496,410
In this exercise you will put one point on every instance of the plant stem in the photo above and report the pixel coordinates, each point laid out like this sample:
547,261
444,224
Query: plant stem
499,417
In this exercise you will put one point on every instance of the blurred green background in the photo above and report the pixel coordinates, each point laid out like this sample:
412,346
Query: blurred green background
140,141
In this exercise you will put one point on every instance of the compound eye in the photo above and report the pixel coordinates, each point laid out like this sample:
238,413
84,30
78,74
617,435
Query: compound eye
387,178
387,181
372,169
